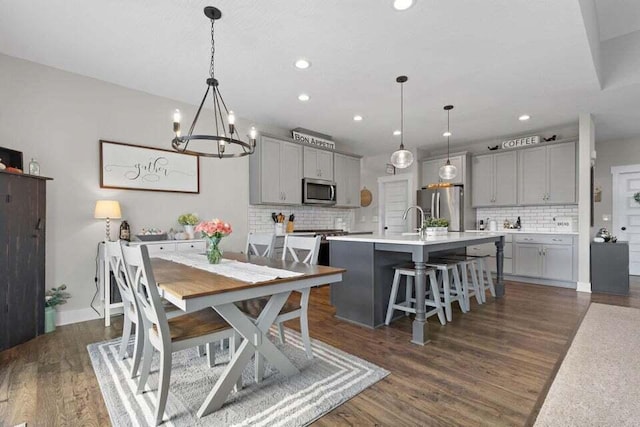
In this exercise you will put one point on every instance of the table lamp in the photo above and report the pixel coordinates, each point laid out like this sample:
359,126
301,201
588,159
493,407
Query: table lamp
107,210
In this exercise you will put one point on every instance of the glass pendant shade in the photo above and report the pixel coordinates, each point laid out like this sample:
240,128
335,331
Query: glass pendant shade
402,158
448,171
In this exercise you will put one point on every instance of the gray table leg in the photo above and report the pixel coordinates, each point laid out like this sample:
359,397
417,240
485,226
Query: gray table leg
500,267
420,322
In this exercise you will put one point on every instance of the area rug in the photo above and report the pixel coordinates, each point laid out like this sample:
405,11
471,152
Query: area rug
598,383
325,382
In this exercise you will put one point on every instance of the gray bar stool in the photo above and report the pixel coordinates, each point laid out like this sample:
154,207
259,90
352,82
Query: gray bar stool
449,281
468,266
408,305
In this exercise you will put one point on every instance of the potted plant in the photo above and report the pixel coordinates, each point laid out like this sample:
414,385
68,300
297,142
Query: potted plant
53,298
436,226
188,221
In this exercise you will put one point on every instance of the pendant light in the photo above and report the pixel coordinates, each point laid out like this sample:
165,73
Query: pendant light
448,171
226,135
402,158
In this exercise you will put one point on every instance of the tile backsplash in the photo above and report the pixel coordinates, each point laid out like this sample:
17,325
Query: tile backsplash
533,218
306,217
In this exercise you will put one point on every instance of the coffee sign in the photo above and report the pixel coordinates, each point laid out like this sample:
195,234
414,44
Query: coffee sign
521,142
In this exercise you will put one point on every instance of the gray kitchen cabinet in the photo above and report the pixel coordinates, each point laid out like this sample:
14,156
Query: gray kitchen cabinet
557,261
528,259
347,178
318,164
532,176
547,174
561,173
494,179
482,179
431,168
545,256
275,172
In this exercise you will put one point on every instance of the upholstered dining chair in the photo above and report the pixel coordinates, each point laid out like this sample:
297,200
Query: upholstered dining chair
167,336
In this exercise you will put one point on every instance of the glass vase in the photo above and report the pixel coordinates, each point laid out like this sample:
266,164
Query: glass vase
214,253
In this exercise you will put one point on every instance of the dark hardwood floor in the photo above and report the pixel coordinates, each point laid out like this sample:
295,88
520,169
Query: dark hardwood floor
491,366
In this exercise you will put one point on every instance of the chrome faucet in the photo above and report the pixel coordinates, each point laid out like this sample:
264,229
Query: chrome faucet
406,212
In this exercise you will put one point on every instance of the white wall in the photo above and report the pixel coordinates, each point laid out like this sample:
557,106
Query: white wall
611,153
58,118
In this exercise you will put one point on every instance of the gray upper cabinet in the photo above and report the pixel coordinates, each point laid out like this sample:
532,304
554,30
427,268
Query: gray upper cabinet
561,173
431,168
547,174
494,178
347,178
275,172
318,164
482,171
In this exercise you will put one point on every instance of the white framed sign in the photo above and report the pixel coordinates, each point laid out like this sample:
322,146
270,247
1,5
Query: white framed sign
135,167
521,142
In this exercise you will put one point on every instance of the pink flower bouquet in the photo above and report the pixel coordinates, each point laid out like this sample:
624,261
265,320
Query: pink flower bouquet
214,228
214,231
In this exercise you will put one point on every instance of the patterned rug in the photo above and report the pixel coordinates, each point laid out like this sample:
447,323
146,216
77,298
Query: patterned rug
327,381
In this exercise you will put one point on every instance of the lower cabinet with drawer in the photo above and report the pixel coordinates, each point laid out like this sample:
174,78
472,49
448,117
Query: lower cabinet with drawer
545,256
156,248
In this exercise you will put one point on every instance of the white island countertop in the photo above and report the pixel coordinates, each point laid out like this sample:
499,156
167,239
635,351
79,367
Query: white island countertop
524,231
416,240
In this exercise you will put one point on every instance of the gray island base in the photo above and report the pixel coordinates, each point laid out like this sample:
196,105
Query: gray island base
363,294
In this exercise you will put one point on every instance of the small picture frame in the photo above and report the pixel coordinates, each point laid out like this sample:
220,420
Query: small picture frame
391,170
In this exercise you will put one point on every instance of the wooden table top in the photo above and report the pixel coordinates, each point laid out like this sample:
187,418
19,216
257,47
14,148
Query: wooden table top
188,282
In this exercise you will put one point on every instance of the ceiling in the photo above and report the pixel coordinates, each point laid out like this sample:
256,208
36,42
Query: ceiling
617,17
492,60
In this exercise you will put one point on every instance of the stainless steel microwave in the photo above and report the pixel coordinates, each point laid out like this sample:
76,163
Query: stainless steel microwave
318,192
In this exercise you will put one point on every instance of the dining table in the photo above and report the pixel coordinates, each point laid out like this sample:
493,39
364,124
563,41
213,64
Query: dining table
191,289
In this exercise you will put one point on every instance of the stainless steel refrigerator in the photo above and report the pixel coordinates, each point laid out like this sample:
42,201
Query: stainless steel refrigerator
445,202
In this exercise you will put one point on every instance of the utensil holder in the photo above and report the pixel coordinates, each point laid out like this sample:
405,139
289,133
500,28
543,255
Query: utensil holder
279,229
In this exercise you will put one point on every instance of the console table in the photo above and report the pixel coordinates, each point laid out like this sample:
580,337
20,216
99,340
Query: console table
154,247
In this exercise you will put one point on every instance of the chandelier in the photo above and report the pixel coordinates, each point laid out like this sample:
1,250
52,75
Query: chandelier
226,134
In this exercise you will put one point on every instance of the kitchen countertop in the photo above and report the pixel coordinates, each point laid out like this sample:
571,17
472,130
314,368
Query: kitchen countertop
414,239
525,231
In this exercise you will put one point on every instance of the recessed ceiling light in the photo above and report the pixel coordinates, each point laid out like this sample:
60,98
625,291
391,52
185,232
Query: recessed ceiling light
524,117
302,64
402,4
447,133
397,133
357,118
303,97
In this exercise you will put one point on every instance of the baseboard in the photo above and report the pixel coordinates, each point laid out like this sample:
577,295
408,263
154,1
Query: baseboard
584,287
66,317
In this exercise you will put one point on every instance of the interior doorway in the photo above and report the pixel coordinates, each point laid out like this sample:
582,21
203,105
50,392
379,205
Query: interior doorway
396,194
626,211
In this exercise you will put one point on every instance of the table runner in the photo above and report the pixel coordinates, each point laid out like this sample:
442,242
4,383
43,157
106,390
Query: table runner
243,271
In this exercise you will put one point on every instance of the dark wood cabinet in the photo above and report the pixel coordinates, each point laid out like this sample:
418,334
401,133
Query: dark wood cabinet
22,262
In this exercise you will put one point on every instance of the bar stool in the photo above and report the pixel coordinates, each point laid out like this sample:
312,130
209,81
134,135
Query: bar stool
409,302
448,275
485,276
468,267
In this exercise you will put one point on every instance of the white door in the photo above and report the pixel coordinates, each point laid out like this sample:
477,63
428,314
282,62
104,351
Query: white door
396,194
626,211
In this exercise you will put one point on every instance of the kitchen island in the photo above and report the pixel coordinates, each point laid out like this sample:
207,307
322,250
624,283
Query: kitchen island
363,294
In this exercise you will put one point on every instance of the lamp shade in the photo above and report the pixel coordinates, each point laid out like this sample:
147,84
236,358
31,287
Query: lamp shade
107,209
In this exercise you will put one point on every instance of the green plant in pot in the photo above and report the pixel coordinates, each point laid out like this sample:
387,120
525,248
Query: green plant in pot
436,226
188,221
53,298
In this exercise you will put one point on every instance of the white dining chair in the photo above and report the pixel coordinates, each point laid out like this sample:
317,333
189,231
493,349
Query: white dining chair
167,336
260,244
